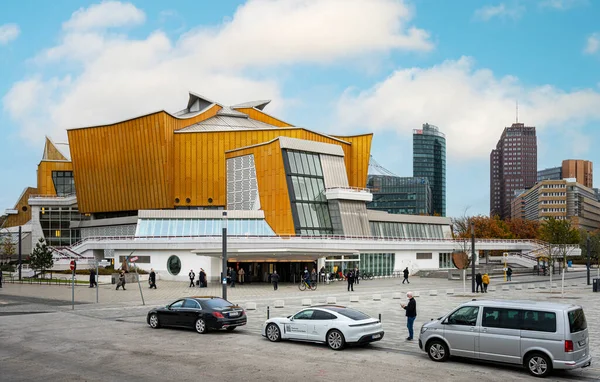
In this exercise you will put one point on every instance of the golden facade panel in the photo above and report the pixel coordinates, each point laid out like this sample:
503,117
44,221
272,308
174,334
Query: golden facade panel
23,209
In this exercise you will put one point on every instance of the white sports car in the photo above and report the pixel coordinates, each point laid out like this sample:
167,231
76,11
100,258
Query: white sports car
334,325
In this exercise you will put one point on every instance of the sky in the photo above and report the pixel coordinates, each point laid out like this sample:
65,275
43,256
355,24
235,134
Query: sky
335,66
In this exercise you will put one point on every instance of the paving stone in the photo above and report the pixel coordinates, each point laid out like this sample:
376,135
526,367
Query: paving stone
250,306
505,287
354,298
279,304
518,287
331,300
433,292
376,297
449,291
398,296
306,302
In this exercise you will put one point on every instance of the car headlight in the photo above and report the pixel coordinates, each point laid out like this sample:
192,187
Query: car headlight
423,329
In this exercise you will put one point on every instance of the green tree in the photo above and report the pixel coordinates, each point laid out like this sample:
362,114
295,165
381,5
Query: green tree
594,244
559,234
41,257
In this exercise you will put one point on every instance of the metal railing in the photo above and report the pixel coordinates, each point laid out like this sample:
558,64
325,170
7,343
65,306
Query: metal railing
40,196
36,280
359,189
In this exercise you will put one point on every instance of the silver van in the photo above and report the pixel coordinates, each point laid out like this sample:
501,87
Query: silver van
541,336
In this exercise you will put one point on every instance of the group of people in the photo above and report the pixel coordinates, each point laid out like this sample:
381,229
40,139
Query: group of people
123,281
482,282
201,282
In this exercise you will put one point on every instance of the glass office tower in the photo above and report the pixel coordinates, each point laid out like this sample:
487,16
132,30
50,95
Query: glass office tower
429,161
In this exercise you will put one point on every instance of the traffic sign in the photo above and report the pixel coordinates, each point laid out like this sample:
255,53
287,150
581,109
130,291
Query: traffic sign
133,259
73,265
505,269
505,254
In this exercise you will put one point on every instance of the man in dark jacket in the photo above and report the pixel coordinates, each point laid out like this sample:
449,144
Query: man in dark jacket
350,278
275,280
152,279
478,282
202,278
0,279
411,314
357,276
233,275
93,278
406,272
509,274
192,276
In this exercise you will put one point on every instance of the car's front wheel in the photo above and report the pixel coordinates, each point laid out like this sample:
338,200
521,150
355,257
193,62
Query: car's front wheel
153,321
273,333
538,365
201,326
335,340
438,351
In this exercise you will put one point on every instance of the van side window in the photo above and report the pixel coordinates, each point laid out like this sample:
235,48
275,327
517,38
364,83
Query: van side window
539,321
501,318
467,315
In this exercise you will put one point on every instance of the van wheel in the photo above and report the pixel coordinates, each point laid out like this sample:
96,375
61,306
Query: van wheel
438,351
538,365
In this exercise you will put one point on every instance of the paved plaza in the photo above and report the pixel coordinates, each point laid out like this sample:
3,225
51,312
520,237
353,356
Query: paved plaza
37,324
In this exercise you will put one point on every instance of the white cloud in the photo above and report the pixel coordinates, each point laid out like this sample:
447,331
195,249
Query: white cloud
501,11
118,76
107,14
592,44
471,106
562,5
8,33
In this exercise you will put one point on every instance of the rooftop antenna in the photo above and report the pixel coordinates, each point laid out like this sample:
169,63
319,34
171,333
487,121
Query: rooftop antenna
517,111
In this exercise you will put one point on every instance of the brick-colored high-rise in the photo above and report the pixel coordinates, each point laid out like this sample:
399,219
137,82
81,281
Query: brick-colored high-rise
582,170
513,166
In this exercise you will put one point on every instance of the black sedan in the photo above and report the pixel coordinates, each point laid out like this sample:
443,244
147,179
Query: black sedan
200,313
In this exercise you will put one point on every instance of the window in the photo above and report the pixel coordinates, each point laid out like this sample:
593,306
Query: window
176,304
215,303
306,186
351,313
424,256
501,318
321,315
64,183
174,265
192,304
577,321
539,321
467,315
304,315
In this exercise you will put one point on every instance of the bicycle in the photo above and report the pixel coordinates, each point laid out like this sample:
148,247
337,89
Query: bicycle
367,276
310,285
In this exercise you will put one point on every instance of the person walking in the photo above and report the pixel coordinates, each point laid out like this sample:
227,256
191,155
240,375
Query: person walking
275,280
509,274
406,273
356,276
233,275
478,282
152,279
0,279
122,281
93,282
485,279
411,314
192,276
350,278
202,278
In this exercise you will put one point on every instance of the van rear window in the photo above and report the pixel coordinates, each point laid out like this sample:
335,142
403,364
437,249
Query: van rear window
577,321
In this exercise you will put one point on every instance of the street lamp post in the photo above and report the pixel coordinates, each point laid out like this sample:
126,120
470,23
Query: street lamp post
20,254
224,272
472,257
588,259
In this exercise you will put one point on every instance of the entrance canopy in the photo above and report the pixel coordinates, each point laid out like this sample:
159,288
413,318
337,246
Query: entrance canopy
274,255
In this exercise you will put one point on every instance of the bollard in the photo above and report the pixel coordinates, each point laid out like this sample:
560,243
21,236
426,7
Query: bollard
379,317
267,312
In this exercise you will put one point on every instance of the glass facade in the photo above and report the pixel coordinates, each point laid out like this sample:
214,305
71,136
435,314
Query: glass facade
202,227
397,195
56,223
406,230
429,161
64,183
445,261
380,264
307,193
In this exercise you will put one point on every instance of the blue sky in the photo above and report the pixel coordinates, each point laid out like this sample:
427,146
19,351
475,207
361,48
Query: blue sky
342,67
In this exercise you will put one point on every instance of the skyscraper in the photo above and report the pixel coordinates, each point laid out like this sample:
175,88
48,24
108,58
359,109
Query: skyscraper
429,161
513,166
